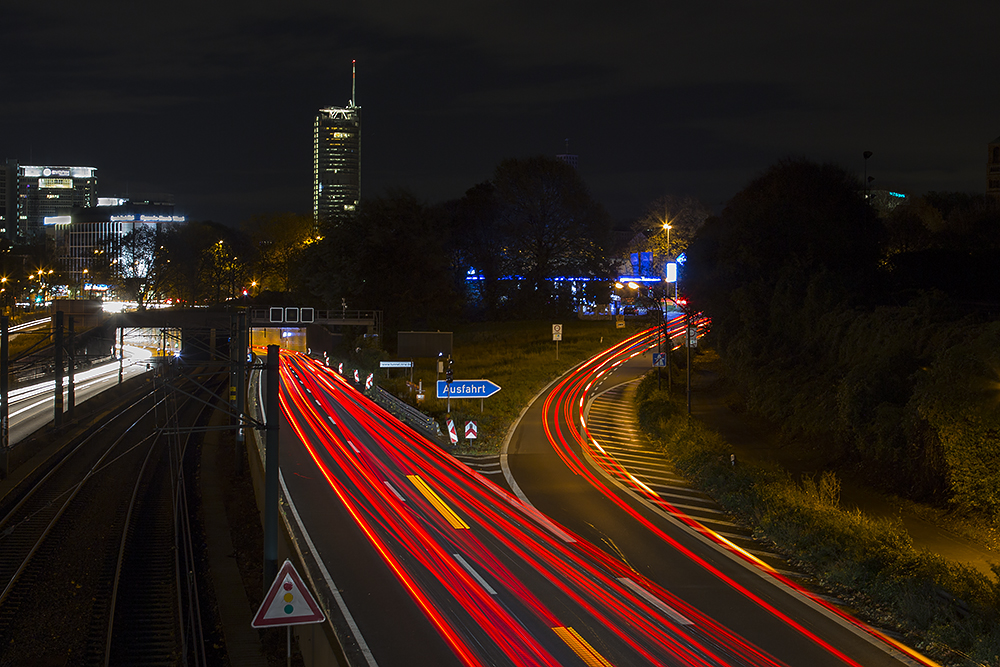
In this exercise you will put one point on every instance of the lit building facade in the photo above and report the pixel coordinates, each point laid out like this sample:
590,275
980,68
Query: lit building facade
46,196
570,159
8,198
993,169
89,231
336,163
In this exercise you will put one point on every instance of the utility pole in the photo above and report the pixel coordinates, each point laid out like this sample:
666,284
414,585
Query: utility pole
121,352
687,333
4,394
273,412
58,363
241,384
71,358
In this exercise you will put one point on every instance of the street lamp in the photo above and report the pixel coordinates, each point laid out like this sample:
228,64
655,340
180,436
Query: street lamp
661,331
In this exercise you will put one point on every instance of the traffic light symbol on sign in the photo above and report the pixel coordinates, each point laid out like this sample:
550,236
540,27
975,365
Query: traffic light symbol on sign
288,597
287,602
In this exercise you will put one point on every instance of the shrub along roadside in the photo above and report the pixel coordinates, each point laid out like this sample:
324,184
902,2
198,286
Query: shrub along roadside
949,611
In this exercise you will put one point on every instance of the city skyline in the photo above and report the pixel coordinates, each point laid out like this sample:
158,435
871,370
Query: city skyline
653,100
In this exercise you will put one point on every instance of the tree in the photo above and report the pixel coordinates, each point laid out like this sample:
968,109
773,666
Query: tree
555,228
685,215
801,230
205,262
132,262
279,240
482,244
391,256
225,269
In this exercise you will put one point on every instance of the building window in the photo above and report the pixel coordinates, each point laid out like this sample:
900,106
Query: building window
996,154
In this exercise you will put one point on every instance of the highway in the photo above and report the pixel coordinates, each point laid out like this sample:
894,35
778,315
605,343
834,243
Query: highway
434,564
552,462
31,406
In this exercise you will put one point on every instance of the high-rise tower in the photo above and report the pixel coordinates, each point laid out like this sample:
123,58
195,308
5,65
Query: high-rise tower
337,161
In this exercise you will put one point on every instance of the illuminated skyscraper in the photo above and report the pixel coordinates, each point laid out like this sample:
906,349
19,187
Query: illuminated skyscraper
337,162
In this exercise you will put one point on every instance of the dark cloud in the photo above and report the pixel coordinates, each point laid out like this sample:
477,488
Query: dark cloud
214,101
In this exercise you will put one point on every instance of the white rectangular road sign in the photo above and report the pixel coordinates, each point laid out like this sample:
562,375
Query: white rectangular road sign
395,364
556,332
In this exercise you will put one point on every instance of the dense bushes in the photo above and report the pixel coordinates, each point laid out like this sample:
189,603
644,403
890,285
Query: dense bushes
950,610
820,328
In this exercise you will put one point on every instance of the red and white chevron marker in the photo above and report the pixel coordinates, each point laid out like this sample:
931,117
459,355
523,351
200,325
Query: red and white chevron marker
471,431
368,381
452,433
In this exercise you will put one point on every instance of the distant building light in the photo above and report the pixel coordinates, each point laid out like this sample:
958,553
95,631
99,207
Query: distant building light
896,194
148,218
57,220
65,183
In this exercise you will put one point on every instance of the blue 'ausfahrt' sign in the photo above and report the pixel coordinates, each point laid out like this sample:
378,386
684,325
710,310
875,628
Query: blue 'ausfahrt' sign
467,389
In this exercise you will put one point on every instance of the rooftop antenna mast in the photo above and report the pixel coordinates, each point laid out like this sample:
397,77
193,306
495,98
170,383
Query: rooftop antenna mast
354,73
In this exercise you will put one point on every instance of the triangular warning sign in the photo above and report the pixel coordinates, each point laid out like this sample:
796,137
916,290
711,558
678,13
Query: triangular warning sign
288,602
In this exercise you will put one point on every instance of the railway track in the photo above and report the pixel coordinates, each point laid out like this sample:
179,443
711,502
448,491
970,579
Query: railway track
98,564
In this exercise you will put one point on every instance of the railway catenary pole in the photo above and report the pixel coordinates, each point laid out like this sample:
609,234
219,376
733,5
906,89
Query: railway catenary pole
71,381
273,411
235,417
4,393
241,386
121,352
58,363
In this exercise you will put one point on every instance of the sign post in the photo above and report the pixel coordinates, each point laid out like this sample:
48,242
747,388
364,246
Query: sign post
557,336
288,602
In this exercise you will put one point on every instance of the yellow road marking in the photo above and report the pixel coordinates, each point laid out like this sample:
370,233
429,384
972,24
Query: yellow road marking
580,646
435,500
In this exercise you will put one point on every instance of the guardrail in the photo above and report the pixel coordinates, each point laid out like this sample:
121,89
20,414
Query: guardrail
407,413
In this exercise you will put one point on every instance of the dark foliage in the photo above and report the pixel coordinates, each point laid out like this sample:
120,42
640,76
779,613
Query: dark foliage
392,256
534,223
857,338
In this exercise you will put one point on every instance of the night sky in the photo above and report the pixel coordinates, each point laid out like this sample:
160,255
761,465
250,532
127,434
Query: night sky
214,101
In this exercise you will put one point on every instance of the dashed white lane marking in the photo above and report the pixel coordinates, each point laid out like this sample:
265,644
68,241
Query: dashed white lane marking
475,575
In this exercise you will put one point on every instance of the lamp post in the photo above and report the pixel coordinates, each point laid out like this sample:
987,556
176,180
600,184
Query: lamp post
661,331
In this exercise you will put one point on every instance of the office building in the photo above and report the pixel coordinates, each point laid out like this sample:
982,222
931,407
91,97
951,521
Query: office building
46,195
88,231
569,158
993,169
337,162
8,198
